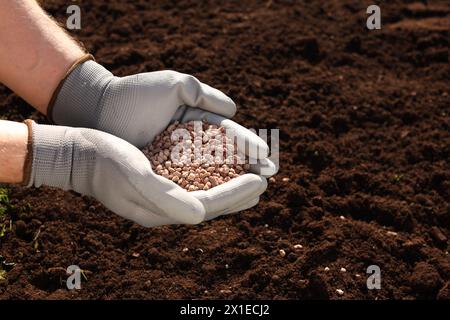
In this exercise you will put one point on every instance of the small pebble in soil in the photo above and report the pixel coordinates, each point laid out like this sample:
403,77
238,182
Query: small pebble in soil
340,292
205,158
282,253
285,179
391,233
225,291
343,270
298,246
326,269
272,179
342,217
185,249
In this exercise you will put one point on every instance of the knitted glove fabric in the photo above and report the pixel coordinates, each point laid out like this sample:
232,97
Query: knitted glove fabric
138,107
113,171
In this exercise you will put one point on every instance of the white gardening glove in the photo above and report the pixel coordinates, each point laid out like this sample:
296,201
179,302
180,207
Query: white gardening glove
242,192
139,107
135,108
111,170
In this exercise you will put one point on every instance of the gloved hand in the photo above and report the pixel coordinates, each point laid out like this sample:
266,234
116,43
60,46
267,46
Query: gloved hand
135,108
117,174
138,107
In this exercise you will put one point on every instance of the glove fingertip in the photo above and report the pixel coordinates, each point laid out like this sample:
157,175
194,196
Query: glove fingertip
231,108
264,167
216,101
185,208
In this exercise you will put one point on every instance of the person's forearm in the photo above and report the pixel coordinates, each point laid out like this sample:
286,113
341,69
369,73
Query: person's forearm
35,53
13,151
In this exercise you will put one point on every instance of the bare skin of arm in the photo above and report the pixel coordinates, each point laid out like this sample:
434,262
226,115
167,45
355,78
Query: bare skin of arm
13,150
35,53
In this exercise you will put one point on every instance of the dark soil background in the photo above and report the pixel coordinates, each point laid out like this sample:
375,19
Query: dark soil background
365,144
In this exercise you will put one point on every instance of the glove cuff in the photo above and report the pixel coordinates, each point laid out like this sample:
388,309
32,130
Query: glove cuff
50,157
76,101
51,104
29,158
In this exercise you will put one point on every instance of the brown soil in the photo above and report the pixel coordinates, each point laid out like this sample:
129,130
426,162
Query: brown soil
365,142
